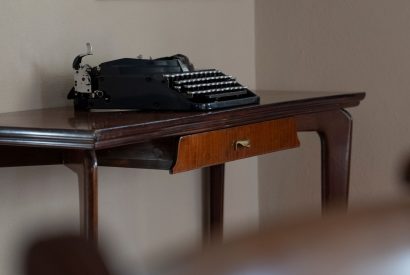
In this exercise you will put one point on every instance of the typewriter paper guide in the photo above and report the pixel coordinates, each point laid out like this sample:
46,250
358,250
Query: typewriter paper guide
169,83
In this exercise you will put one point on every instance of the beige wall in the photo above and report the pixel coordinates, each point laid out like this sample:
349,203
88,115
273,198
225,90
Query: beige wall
143,213
345,45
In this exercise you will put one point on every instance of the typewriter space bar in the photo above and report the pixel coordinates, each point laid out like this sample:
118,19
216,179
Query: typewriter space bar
227,94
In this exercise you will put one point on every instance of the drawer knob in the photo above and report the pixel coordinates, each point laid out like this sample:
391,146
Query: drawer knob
242,144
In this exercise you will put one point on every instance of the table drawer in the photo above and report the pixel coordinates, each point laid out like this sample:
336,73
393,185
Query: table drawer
216,147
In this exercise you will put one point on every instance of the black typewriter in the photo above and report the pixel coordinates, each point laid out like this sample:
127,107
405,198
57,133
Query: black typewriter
169,83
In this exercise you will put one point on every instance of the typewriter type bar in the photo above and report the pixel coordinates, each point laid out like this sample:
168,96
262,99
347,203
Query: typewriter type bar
189,75
220,95
219,90
204,80
211,84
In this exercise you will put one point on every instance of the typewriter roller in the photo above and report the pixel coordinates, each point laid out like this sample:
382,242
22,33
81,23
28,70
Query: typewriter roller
168,83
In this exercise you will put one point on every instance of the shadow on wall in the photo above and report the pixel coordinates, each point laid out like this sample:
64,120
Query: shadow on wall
53,87
282,195
406,173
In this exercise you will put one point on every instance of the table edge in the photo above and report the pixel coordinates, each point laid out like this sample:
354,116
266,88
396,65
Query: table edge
110,137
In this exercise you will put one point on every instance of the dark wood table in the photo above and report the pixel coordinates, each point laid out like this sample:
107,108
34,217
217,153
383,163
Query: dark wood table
182,141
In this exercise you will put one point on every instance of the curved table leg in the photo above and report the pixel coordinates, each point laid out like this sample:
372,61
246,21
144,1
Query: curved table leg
84,163
335,131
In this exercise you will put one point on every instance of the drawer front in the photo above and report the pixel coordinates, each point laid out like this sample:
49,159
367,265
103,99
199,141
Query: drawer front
216,147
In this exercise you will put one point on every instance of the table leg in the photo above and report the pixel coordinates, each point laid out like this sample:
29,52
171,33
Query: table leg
335,131
214,203
85,164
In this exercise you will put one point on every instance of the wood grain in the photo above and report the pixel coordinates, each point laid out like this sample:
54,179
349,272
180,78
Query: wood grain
217,147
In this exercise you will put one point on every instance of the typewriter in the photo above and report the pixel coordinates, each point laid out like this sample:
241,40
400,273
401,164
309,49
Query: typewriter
169,83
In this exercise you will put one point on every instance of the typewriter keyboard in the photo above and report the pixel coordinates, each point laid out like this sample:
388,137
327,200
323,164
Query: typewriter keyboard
206,86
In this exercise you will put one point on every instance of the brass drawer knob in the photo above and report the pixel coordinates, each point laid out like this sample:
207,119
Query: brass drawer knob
242,144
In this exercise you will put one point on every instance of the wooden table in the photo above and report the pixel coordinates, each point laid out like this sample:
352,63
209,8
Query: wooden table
182,141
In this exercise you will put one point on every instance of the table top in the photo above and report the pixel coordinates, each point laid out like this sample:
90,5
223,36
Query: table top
65,128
